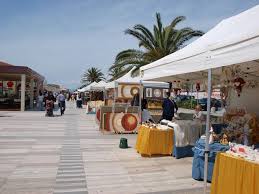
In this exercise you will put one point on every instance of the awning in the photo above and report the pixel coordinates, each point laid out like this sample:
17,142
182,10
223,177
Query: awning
100,86
87,88
128,79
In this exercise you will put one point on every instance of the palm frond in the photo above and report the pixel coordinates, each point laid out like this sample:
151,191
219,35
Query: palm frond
176,21
146,32
144,41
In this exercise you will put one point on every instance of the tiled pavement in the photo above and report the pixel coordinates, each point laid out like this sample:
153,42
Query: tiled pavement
68,154
71,175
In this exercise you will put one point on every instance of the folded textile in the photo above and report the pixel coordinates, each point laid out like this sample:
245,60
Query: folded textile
186,132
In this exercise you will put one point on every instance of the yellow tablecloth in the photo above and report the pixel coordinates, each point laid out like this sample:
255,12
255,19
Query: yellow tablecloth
233,175
154,141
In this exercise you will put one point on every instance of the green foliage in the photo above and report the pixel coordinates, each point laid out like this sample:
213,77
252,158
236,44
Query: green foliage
92,75
188,104
117,72
154,45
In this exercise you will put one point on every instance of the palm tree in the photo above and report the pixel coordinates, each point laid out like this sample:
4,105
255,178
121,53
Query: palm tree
117,72
92,75
153,46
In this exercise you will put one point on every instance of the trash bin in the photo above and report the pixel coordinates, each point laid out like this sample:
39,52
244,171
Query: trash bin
123,143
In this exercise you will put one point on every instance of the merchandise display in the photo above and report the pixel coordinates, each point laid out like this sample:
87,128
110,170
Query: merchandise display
241,127
118,119
246,152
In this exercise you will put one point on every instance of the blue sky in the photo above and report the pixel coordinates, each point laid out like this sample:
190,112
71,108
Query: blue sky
62,38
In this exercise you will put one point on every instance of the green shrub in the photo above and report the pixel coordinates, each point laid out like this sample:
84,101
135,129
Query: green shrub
188,104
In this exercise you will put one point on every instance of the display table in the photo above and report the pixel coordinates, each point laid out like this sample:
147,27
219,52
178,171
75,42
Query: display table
154,141
199,158
234,175
186,133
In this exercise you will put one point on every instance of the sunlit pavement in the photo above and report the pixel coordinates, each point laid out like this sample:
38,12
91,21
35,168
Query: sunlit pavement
68,154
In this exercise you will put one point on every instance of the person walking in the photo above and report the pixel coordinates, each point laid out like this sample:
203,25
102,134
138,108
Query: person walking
49,104
40,101
169,106
79,101
61,102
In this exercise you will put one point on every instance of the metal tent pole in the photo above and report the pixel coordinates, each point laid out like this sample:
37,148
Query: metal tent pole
207,132
191,95
114,97
140,100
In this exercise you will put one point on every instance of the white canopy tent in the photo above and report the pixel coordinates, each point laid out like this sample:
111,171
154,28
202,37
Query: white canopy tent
100,86
110,85
233,41
127,78
87,88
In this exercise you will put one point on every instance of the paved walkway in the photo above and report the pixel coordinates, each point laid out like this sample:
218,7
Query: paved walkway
68,154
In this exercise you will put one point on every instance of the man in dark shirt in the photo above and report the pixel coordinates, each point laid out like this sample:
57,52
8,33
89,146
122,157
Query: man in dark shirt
168,108
135,100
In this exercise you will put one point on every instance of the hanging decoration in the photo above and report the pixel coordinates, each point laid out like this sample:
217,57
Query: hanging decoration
251,84
177,91
225,77
236,72
224,92
9,84
177,84
198,87
238,85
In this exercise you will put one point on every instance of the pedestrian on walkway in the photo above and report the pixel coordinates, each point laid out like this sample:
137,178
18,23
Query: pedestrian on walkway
61,102
49,104
40,101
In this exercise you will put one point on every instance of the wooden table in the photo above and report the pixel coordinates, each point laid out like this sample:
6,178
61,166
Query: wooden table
154,141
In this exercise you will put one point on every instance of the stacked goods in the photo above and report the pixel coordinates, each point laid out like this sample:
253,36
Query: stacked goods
246,152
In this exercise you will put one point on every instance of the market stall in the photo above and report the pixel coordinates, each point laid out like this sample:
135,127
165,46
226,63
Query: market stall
154,140
228,56
110,93
153,91
119,94
96,96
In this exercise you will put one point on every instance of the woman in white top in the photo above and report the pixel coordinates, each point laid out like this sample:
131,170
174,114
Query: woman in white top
198,113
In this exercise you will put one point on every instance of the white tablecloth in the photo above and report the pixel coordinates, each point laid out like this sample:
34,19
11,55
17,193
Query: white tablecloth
186,132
